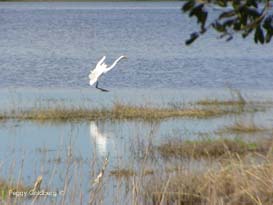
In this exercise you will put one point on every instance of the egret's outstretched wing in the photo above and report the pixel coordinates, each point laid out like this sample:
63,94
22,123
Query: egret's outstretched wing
101,60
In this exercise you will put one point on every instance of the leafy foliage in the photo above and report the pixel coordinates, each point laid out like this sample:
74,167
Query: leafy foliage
237,16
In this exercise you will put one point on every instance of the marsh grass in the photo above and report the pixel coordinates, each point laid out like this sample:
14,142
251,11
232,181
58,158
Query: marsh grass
117,112
7,188
237,102
123,172
237,99
210,148
236,183
242,127
216,102
126,172
233,181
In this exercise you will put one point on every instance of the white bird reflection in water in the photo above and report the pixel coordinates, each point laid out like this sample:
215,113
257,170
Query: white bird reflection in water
100,139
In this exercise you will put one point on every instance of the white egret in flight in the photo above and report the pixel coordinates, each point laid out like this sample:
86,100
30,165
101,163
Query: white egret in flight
100,69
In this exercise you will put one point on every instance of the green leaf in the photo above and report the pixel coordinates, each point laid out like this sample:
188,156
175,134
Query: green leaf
246,33
268,37
259,35
193,37
243,19
252,3
236,4
229,22
218,27
253,12
196,10
188,6
237,26
203,30
222,3
201,18
268,23
229,38
227,14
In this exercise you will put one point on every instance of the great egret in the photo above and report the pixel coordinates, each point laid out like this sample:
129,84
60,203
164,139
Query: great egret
100,69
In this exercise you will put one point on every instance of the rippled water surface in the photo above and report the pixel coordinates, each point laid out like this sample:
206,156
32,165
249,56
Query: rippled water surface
56,45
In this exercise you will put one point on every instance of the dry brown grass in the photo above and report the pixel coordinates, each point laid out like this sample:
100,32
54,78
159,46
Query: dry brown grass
217,102
119,173
130,112
118,111
242,127
238,106
234,183
7,188
236,100
126,173
210,148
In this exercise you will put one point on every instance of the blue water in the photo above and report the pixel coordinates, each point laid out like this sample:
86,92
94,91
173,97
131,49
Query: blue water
57,44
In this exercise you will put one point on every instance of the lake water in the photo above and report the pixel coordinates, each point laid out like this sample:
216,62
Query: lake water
56,45
47,51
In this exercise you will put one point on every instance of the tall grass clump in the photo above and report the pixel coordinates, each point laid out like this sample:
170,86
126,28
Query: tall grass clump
242,127
8,187
235,183
210,148
237,99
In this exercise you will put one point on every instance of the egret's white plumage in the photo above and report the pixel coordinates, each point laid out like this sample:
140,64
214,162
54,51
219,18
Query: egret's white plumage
100,69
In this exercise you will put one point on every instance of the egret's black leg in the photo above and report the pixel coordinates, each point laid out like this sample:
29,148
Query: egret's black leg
103,90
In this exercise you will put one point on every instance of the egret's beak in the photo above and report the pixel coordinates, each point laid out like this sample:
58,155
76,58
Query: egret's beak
125,57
